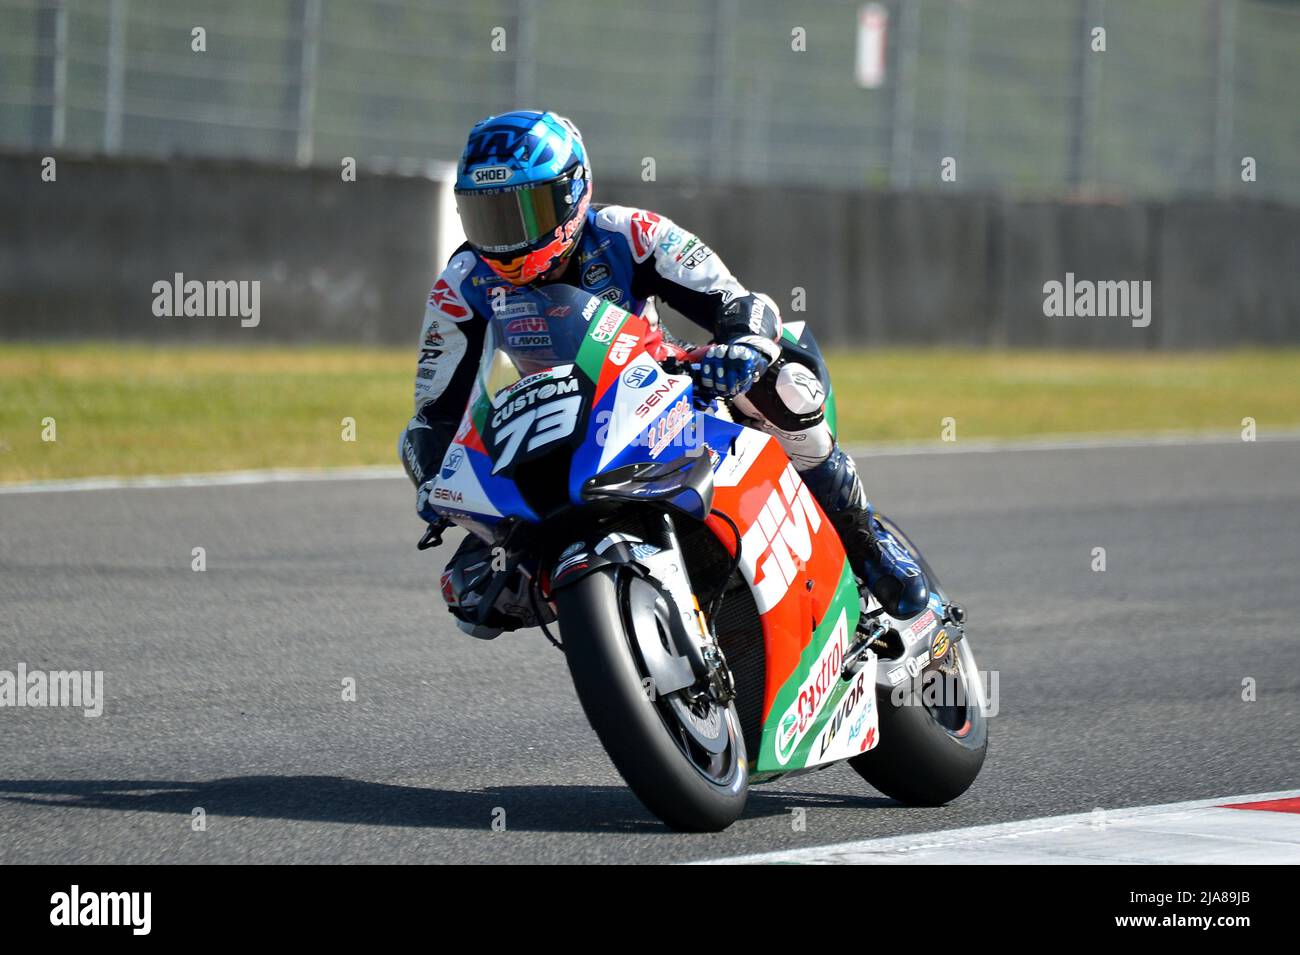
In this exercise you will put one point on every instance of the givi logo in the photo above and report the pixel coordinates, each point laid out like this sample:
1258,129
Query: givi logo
779,540
621,350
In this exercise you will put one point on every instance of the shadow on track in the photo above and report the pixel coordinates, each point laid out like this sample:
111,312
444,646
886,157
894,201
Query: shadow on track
358,802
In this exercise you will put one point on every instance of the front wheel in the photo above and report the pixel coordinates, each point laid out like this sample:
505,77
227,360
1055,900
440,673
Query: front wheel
682,754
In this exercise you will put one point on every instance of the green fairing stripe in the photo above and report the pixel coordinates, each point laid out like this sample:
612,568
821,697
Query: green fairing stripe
846,599
479,413
832,418
591,354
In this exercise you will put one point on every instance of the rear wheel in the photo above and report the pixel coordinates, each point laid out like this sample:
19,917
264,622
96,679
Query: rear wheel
933,731
929,753
682,753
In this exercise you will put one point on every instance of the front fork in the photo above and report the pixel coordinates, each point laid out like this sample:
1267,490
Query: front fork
668,569
662,562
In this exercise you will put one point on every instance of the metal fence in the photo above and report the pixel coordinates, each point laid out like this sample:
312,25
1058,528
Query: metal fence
1183,94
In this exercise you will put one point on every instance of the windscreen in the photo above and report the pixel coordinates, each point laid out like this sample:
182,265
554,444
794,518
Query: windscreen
532,330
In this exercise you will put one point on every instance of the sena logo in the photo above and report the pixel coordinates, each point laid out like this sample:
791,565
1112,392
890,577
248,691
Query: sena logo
486,175
655,399
781,537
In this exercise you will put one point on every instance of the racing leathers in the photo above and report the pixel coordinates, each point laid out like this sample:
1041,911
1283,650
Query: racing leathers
630,257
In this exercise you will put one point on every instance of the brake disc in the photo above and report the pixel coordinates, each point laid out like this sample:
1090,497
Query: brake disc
709,730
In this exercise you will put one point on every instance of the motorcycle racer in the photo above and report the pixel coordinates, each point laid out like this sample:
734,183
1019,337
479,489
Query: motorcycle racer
524,195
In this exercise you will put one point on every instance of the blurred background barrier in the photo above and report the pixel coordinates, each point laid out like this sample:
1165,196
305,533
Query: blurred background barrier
353,262
336,262
831,93
806,141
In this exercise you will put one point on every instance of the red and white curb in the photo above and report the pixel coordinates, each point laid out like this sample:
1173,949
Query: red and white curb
1259,829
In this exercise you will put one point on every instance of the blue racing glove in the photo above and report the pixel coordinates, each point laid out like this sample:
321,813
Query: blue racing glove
728,369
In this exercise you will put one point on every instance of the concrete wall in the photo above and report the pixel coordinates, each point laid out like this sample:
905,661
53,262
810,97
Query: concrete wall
353,261
337,261
915,269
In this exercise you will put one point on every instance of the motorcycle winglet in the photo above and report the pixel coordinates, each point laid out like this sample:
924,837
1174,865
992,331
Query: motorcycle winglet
684,484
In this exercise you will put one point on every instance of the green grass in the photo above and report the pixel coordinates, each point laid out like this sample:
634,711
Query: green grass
137,410
904,395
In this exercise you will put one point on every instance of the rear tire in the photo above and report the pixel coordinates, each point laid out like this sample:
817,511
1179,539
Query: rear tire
927,756
636,731
918,761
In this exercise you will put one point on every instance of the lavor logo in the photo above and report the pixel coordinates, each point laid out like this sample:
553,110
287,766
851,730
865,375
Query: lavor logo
779,540
486,175
848,703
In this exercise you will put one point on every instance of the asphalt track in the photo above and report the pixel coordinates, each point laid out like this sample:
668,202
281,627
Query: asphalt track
224,688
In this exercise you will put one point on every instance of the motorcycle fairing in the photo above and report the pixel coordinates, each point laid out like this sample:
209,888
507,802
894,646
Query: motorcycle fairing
797,570
791,556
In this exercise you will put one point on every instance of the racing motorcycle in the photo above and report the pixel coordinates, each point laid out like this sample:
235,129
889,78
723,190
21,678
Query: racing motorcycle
712,624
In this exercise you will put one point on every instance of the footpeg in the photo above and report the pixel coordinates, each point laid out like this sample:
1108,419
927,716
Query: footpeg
955,615
853,660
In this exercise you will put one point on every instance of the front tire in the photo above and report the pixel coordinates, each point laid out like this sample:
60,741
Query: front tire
691,790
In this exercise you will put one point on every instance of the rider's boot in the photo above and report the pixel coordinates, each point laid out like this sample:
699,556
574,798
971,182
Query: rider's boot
882,563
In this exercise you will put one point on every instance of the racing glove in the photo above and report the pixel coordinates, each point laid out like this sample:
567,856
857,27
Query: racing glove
422,507
729,368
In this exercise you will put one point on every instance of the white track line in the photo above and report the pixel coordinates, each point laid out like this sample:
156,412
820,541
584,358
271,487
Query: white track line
218,479
1067,443
1200,831
385,472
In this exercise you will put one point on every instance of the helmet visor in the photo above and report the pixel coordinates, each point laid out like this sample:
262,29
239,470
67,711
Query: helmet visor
508,220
